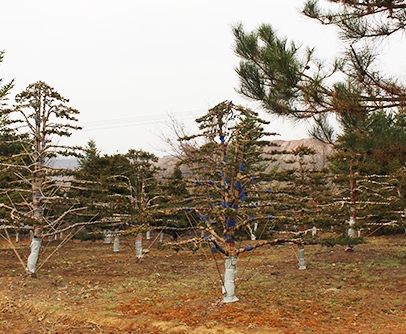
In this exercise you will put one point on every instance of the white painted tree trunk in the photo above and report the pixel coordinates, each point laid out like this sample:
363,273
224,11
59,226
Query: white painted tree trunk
229,279
302,263
107,237
116,245
351,231
33,257
37,202
138,247
314,231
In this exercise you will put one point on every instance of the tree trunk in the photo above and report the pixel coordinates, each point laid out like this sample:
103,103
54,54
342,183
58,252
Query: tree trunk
33,257
353,194
302,262
138,247
37,199
32,260
116,244
107,237
229,279
353,201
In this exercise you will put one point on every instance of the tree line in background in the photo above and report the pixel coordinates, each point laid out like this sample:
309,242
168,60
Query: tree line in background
228,185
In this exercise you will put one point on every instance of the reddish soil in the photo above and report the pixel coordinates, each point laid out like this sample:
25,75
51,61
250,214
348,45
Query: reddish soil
85,287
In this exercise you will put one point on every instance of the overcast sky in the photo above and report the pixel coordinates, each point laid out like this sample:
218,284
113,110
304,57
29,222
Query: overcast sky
128,64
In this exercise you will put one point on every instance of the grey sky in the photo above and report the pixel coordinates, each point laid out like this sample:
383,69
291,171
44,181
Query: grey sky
127,64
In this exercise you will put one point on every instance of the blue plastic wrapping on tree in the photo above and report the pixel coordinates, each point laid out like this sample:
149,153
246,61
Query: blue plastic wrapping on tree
231,223
186,208
197,182
269,191
250,219
216,248
238,186
269,217
222,139
243,198
202,216
210,182
248,248
241,167
226,205
229,238
252,206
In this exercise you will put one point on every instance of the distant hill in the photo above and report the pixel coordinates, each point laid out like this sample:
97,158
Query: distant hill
168,162
319,159
69,163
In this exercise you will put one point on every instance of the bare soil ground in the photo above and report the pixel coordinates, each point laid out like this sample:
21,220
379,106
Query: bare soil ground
85,287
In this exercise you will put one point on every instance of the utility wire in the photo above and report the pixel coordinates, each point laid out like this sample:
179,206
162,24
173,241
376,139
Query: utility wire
134,121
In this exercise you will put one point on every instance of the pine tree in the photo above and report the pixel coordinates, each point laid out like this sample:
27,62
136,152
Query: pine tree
5,88
302,191
291,82
229,185
123,186
368,166
36,197
91,152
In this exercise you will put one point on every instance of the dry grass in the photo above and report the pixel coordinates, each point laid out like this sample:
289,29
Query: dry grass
87,288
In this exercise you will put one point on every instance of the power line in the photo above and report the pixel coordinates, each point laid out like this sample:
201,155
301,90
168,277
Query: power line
134,121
